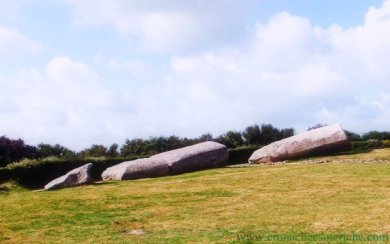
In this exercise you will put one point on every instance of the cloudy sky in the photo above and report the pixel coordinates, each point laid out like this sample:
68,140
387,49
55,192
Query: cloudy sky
78,72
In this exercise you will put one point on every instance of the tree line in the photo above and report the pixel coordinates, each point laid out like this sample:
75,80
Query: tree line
14,150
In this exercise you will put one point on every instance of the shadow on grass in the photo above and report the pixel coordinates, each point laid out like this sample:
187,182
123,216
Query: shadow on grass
354,152
330,154
99,183
4,189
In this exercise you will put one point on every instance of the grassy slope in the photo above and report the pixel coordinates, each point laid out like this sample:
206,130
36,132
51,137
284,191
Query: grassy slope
374,154
207,206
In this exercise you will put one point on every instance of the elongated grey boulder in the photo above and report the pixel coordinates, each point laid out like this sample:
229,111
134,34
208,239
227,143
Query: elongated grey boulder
187,159
137,169
78,176
196,157
324,138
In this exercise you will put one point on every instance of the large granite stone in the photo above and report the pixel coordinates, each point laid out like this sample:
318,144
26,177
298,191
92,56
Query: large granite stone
187,159
196,157
78,176
136,169
321,139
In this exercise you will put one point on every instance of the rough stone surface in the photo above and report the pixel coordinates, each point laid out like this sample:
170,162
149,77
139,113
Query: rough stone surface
196,157
78,176
324,138
136,169
137,232
187,159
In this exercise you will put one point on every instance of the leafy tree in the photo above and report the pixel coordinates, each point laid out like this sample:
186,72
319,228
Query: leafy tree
162,144
204,138
134,147
30,152
376,135
231,139
47,150
287,132
269,134
252,135
15,150
113,151
94,151
265,134
154,145
352,136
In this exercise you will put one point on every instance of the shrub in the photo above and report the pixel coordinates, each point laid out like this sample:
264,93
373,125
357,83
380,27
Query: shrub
385,143
376,135
358,146
241,155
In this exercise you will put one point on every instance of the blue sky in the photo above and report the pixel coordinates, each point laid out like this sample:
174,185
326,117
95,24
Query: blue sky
83,72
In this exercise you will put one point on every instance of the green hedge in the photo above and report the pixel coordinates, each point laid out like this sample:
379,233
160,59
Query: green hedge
242,154
385,144
35,174
358,146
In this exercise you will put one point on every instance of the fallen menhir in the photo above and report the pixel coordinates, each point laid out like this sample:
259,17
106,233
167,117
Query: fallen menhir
187,159
196,157
78,176
136,169
324,138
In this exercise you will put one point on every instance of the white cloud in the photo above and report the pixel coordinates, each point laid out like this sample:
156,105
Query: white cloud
5,2
136,67
9,9
294,73
65,103
165,26
13,42
288,73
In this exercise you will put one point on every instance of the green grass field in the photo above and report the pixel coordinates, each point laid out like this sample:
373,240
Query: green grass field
208,206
